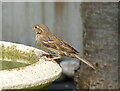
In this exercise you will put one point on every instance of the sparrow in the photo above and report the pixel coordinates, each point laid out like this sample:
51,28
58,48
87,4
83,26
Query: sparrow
56,46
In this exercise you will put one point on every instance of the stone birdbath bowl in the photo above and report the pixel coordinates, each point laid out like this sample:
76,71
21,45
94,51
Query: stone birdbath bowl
22,68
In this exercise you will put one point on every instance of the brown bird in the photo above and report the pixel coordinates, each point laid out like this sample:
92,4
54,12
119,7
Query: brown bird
58,47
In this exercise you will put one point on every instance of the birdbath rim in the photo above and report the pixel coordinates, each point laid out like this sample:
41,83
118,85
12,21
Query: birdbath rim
39,73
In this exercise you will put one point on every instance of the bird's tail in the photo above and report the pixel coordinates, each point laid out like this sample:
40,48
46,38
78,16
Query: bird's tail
85,61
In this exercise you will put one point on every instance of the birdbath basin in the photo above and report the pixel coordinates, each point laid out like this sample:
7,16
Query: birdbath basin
21,67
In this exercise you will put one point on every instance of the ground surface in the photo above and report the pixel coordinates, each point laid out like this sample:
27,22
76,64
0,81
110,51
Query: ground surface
68,85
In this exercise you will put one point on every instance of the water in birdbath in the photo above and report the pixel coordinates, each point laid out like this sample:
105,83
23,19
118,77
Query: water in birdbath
11,58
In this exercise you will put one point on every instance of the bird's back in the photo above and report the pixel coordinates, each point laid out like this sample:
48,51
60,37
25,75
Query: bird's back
50,41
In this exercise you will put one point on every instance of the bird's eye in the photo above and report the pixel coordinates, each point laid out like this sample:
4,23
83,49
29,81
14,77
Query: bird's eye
36,27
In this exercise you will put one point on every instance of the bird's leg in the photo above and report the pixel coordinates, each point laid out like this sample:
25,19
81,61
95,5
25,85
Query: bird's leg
47,55
51,57
57,57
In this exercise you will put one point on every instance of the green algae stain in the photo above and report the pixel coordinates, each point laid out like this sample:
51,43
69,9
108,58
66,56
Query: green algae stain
14,55
11,65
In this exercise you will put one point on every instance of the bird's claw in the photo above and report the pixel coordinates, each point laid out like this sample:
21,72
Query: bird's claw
48,57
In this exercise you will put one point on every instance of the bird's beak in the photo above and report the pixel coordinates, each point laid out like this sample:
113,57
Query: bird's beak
33,28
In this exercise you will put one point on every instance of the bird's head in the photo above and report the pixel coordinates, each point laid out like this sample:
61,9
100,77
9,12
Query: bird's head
40,28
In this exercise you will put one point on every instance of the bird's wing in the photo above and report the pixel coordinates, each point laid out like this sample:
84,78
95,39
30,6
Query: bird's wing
66,47
58,44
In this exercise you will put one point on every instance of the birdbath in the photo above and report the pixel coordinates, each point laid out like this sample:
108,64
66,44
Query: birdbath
21,67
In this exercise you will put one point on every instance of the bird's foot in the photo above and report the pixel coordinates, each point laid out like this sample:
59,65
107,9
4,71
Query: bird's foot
49,57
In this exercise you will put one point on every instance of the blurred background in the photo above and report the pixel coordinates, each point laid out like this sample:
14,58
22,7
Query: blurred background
62,18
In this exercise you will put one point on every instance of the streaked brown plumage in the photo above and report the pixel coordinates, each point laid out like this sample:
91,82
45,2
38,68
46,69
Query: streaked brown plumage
49,42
